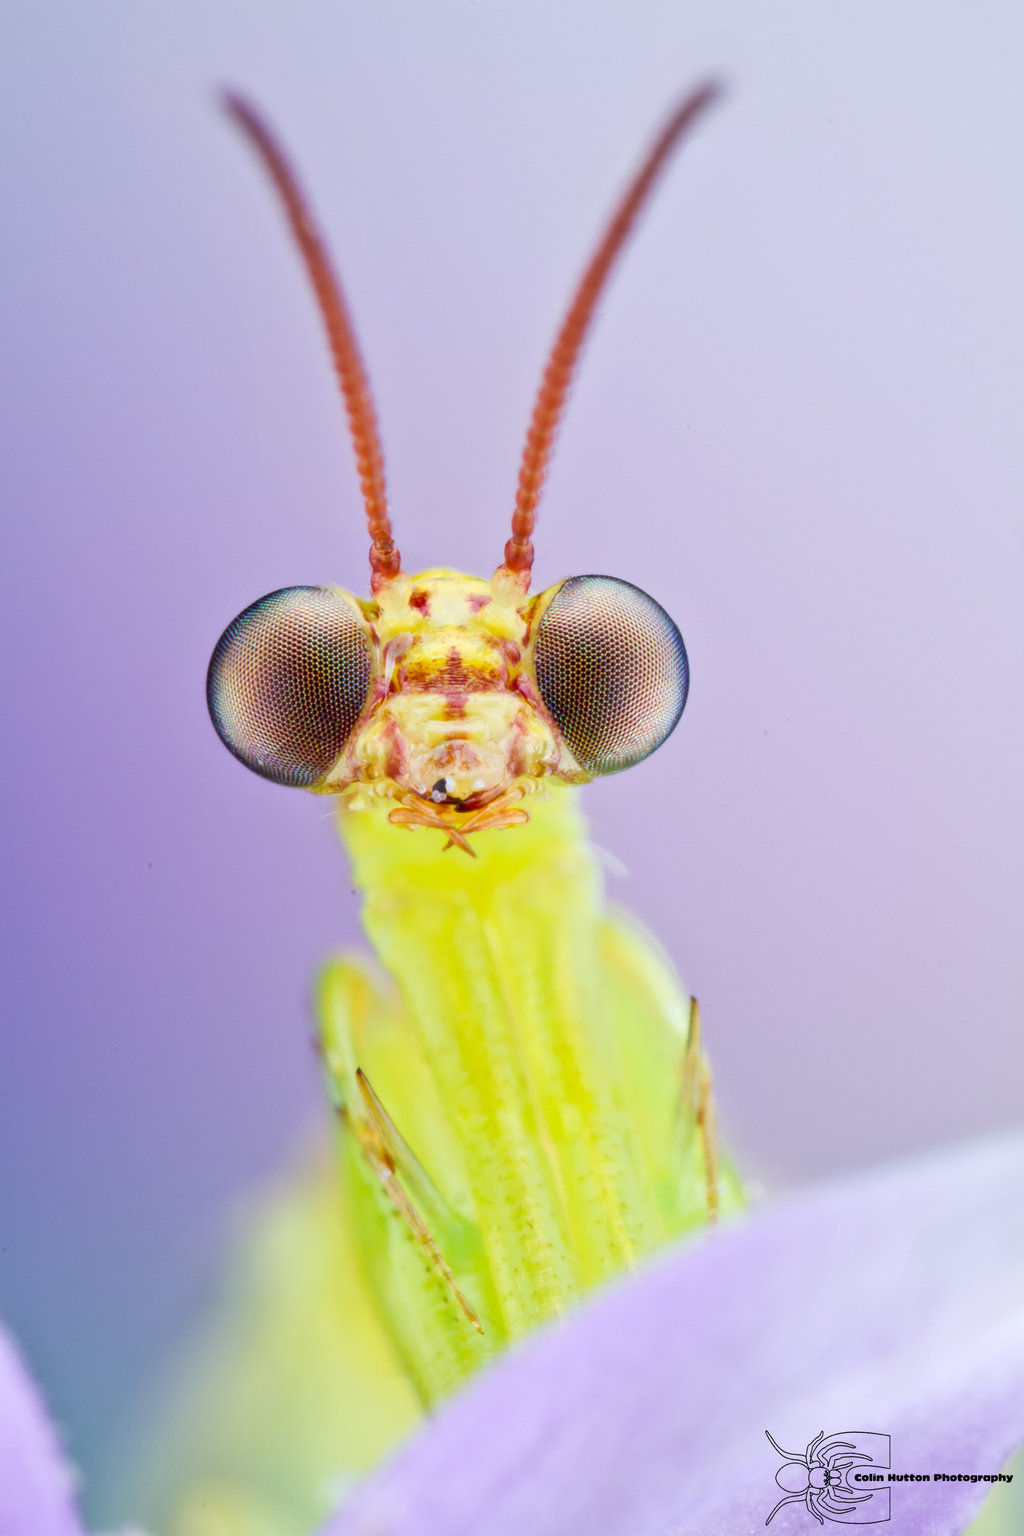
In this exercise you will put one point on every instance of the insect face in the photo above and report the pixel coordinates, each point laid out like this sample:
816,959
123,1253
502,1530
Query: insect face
447,693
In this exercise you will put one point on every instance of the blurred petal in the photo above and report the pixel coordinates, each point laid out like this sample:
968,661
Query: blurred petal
288,1393
892,1302
36,1483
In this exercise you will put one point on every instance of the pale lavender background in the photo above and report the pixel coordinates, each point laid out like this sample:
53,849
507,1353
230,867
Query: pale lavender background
804,397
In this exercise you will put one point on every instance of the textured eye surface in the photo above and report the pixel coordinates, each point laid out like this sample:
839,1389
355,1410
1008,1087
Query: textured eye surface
612,669
287,682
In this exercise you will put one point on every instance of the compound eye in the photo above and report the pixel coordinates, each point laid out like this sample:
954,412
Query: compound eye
612,669
288,681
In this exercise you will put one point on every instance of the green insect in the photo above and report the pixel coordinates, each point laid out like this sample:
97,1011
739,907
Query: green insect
522,1100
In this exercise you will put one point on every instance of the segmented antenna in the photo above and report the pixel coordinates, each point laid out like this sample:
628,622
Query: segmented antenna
561,364
385,560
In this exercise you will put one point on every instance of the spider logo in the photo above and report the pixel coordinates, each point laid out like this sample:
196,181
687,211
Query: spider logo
818,1478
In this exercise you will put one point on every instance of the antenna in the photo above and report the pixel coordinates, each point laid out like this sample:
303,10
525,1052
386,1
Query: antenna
385,560
564,356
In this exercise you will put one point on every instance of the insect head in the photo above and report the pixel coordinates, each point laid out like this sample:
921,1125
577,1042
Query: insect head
450,696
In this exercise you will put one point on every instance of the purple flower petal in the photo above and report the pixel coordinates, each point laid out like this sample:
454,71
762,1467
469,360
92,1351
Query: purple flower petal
890,1303
36,1483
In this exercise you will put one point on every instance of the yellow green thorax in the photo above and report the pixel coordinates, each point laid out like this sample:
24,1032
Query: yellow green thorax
527,1048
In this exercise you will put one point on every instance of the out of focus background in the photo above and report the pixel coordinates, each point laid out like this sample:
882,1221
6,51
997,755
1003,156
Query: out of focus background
798,425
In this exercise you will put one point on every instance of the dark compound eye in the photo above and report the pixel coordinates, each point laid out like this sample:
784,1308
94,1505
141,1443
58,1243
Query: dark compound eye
612,669
287,682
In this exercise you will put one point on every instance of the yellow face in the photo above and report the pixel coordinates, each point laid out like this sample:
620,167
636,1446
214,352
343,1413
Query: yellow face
450,696
453,722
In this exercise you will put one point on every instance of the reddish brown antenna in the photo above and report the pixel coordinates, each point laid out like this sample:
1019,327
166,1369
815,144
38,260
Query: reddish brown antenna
385,561
561,364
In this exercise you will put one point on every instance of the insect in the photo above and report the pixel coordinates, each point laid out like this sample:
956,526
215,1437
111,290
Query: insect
522,1098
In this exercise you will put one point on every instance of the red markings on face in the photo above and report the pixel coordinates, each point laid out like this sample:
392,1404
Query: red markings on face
452,675
420,599
478,600
443,665
517,750
396,757
455,706
455,673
